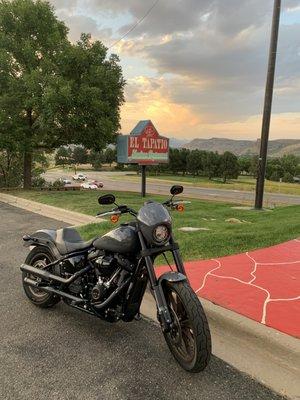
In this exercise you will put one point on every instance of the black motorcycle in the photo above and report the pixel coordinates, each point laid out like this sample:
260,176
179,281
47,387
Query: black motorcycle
107,276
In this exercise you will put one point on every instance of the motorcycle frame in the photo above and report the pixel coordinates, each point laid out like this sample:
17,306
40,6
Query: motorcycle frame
147,256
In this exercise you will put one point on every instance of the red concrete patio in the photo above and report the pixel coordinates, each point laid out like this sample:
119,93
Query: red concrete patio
263,285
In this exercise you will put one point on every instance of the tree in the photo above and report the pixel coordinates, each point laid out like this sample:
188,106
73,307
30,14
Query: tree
53,92
96,158
110,155
174,161
229,166
290,163
274,170
63,156
10,169
245,163
254,166
288,177
79,155
211,164
195,162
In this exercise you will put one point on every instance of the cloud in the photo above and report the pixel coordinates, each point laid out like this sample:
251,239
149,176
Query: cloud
208,57
146,99
82,24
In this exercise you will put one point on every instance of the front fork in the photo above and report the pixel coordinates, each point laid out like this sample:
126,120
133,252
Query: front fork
156,284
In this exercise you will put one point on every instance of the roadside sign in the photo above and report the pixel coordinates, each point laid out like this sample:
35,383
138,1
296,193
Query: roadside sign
144,146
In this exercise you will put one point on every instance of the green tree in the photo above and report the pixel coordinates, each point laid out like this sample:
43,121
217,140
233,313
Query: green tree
211,164
245,163
53,92
80,155
254,166
174,160
289,163
10,169
288,177
195,162
96,158
110,155
274,170
63,156
229,166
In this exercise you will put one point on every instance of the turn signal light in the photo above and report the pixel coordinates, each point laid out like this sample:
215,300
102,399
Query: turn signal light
180,208
114,219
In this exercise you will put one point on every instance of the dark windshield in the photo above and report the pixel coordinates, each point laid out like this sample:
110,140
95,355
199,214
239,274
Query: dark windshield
153,213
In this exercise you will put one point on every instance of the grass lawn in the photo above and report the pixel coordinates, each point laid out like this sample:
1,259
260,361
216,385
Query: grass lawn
223,238
242,183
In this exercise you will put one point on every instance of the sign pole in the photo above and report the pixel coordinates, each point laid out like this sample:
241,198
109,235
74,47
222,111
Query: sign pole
143,192
262,161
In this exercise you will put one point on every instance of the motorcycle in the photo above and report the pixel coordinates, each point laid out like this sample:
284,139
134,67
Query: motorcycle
107,276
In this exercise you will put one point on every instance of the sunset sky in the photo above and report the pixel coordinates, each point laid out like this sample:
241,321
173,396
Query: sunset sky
197,68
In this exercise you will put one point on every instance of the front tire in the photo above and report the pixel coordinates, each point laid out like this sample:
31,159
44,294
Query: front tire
39,257
189,340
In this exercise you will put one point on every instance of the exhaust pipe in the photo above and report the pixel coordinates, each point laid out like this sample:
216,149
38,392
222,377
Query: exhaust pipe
46,275
49,289
41,273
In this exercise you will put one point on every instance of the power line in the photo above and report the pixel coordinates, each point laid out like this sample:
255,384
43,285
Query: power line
135,25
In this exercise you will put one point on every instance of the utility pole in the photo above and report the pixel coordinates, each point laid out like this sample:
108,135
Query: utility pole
262,161
143,188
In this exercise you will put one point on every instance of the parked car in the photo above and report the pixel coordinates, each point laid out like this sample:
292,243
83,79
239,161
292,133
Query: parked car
65,181
79,177
98,184
89,185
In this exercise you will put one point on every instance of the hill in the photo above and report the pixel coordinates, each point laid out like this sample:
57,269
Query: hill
277,148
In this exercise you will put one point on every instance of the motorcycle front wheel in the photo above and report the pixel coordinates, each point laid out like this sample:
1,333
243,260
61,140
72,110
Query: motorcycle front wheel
189,339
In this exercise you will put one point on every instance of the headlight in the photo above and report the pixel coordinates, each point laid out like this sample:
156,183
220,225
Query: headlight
161,234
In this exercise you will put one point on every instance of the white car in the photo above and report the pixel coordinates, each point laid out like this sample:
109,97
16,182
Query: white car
65,181
89,185
79,177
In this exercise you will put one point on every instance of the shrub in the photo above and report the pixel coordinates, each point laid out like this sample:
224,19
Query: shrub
288,177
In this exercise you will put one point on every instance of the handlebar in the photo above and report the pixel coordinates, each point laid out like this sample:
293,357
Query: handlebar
172,204
123,209
118,211
106,213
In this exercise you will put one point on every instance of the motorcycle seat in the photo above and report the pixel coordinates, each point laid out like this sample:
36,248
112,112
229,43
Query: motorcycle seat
66,240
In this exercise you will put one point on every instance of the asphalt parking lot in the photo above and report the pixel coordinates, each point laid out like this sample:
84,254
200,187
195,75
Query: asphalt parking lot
61,353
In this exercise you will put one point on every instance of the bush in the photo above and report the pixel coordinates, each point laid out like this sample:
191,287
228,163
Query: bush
120,167
56,184
288,177
275,176
39,182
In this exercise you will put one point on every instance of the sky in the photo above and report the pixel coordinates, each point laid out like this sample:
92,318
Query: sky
197,68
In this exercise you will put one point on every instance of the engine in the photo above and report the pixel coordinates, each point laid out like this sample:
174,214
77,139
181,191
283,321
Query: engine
111,271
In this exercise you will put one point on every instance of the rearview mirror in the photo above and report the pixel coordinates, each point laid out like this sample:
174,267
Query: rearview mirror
176,189
107,199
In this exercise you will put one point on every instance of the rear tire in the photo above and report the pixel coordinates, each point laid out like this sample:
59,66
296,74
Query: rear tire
190,339
39,257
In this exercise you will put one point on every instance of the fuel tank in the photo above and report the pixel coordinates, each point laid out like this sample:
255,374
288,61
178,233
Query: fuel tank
123,239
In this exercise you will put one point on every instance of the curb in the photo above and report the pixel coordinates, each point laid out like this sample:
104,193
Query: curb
267,355
70,217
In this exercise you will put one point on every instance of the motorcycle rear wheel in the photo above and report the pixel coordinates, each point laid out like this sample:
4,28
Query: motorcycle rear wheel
189,340
39,257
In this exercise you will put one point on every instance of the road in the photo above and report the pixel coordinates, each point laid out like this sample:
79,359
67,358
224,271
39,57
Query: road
125,183
61,353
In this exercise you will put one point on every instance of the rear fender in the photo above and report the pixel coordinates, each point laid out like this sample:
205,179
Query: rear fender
44,238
